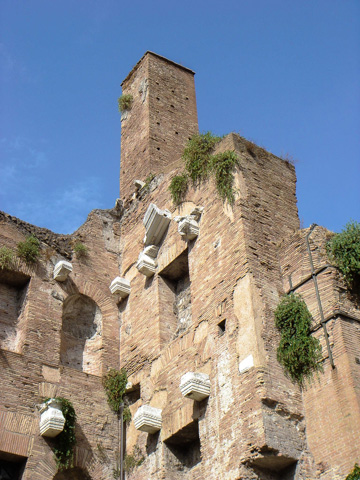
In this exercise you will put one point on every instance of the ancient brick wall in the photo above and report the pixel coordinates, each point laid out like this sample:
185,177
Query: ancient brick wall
208,308
332,400
32,360
234,279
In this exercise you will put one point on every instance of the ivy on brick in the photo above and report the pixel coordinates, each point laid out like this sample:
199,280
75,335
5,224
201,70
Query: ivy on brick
200,164
298,351
114,383
66,440
355,474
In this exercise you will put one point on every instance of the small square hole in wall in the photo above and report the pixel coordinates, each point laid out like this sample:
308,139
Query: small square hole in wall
357,360
222,327
133,395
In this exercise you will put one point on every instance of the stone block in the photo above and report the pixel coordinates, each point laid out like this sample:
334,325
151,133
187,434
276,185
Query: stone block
148,419
246,364
195,386
52,420
120,287
156,222
62,270
147,263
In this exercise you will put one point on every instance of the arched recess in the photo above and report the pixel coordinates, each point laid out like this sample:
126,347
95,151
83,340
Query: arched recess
81,335
13,313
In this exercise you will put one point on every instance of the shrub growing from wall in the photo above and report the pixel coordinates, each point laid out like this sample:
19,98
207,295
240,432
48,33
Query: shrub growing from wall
66,440
201,164
29,250
298,352
344,251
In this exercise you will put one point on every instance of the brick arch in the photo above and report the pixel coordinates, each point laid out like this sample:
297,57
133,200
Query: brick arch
85,464
110,317
45,469
104,300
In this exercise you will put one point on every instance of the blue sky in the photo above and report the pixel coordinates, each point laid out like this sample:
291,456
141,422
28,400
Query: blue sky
284,74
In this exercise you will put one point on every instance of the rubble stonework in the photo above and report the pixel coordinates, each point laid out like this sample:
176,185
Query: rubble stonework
201,308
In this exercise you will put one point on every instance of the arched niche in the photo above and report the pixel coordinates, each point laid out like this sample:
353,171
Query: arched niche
13,312
81,338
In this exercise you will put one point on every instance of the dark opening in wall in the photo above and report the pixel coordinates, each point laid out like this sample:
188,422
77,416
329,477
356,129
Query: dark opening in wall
271,467
11,466
183,448
13,293
175,297
222,327
74,473
133,395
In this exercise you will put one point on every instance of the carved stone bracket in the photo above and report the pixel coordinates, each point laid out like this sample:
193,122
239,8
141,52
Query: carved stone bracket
120,287
189,225
147,263
195,386
52,420
148,419
156,222
62,270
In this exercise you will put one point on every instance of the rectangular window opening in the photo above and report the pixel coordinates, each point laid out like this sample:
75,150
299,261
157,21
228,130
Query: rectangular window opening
175,297
183,448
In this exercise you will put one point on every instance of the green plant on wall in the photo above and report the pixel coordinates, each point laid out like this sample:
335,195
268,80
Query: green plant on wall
80,250
125,102
222,166
6,257
197,156
199,164
298,352
134,460
66,440
355,474
343,250
126,414
179,187
114,383
29,250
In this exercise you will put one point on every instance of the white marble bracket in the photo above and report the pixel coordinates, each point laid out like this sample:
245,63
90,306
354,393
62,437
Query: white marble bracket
139,184
147,263
120,287
189,225
156,222
195,386
52,420
62,270
148,419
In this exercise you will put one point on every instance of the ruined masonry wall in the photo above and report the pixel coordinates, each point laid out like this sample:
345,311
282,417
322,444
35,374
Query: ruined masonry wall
34,370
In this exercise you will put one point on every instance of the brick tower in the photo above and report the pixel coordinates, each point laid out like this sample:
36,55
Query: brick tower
162,118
